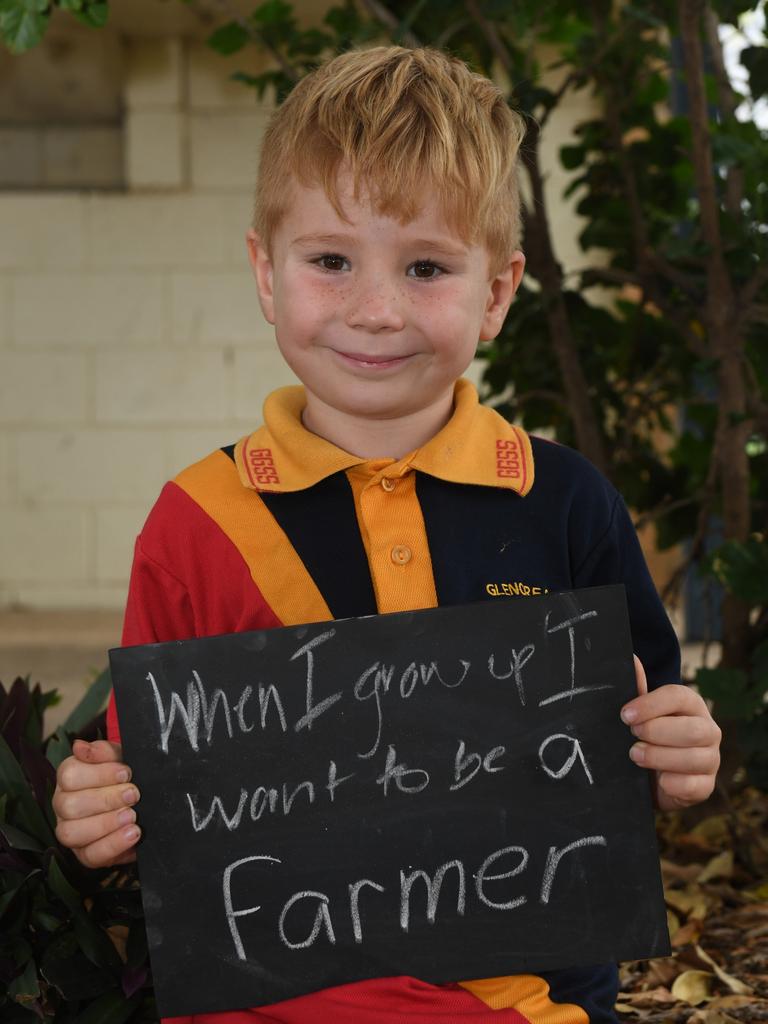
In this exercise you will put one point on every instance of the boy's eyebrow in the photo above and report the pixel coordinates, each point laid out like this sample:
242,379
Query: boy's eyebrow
444,245
438,245
319,239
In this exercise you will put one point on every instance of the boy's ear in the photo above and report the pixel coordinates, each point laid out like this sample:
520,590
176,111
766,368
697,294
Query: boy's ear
502,290
261,265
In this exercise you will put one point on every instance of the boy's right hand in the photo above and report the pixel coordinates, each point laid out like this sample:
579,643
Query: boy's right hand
94,802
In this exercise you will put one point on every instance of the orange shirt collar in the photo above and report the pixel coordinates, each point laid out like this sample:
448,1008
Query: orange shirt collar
476,446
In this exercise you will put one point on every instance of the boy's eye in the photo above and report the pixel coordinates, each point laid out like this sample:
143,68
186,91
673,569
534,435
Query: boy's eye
330,261
425,269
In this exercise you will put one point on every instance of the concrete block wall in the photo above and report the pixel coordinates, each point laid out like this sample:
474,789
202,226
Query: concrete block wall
131,340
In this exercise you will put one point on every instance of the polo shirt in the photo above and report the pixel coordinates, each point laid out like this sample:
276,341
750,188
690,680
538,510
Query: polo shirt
284,528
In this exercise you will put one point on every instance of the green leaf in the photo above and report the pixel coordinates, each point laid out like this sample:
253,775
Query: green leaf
61,887
19,840
25,987
58,747
95,15
729,689
64,966
755,60
111,1008
91,704
743,569
23,23
572,157
27,812
273,14
228,39
71,5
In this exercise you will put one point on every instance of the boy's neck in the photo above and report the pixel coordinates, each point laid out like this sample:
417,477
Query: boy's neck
371,438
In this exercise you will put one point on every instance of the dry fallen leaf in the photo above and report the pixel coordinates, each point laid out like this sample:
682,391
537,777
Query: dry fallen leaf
739,987
693,987
720,866
689,933
691,901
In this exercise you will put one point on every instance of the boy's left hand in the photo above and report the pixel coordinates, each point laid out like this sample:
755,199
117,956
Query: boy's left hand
678,740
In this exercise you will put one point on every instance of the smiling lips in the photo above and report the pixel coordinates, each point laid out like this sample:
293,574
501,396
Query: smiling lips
372,362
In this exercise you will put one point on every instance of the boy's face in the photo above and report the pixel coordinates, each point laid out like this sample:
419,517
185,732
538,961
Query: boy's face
376,318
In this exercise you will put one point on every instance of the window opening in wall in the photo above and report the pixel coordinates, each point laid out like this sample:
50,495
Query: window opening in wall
61,113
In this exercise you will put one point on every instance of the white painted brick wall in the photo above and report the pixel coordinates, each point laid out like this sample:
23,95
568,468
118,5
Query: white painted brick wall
128,325
224,148
90,466
123,308
218,309
57,382
154,145
39,231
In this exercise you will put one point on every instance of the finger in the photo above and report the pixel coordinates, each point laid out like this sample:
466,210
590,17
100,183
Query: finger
679,731
97,752
78,832
86,802
673,699
110,849
686,761
640,678
75,774
676,791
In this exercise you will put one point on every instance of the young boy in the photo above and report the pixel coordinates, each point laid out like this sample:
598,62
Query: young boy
384,247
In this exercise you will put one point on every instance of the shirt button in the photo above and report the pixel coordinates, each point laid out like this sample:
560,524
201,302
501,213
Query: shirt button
401,555
387,484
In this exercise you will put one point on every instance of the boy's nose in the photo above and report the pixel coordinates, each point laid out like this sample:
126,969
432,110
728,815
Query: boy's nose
375,305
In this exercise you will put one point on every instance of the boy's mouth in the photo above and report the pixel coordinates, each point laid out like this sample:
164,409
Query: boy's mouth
373,362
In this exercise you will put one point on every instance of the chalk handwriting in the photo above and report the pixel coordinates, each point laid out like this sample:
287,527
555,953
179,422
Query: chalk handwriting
401,772
376,680
518,660
410,879
274,799
474,762
576,753
198,712
322,919
314,710
232,914
555,856
434,885
573,690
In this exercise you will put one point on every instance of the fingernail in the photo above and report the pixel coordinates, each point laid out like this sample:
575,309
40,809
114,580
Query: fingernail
130,795
628,715
637,753
126,817
132,833
123,775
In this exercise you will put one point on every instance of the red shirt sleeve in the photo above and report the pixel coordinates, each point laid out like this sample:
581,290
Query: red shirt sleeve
188,580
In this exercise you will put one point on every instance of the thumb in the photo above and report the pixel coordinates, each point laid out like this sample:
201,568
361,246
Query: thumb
97,752
642,682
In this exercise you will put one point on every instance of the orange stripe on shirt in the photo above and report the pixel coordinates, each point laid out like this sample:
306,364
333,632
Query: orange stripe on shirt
273,562
528,995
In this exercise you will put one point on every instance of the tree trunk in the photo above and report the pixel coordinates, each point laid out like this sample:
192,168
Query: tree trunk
726,342
547,270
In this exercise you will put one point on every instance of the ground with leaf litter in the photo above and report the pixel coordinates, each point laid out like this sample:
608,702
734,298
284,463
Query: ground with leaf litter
716,889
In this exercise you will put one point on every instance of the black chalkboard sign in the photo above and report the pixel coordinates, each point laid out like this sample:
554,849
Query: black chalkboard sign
445,794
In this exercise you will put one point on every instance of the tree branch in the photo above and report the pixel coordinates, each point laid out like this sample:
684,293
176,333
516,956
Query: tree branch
379,12
727,100
256,36
491,33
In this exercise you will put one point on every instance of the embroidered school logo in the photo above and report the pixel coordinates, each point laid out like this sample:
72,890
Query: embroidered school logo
509,459
516,589
261,466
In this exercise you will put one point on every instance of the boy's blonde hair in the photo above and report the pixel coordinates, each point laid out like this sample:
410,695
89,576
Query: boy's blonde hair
406,124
